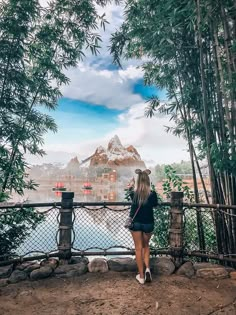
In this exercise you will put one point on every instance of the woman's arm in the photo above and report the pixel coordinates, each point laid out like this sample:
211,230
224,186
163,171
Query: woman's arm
154,199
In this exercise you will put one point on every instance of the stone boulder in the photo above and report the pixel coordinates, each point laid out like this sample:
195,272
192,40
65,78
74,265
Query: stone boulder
72,270
212,273
229,269
25,265
78,260
233,275
203,265
3,282
186,270
17,276
98,265
122,264
162,266
30,268
5,271
51,262
41,273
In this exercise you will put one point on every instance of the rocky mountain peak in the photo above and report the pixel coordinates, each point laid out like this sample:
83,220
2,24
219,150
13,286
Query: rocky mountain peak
74,162
100,150
116,155
114,144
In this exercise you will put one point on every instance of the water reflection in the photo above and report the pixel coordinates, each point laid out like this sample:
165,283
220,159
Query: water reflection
92,227
47,192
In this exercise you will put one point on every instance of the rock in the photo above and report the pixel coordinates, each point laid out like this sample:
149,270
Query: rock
51,262
3,282
71,270
116,155
30,268
98,265
75,272
24,265
233,275
204,265
186,270
73,164
162,266
41,273
78,260
17,276
122,264
5,271
212,273
229,269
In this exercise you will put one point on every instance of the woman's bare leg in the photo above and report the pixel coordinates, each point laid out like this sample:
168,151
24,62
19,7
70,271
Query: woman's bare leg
138,243
146,249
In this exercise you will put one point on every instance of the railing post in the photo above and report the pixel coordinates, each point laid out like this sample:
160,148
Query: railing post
176,227
65,225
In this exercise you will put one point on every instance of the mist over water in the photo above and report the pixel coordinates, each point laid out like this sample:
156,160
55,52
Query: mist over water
104,185
45,193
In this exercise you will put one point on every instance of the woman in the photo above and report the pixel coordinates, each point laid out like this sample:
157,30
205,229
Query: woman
143,201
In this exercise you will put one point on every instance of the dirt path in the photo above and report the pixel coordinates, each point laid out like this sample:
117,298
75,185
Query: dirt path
119,294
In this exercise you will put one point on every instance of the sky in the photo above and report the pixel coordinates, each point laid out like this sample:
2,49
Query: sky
103,100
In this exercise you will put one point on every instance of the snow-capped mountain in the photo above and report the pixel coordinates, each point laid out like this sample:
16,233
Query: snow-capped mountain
116,155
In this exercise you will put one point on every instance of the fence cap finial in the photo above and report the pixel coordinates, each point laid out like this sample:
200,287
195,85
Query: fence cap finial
177,194
68,195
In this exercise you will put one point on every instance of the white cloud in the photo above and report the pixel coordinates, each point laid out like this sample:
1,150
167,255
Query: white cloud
110,88
90,82
149,136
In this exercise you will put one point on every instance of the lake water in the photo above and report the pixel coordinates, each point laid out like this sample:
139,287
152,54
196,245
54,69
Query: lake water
93,227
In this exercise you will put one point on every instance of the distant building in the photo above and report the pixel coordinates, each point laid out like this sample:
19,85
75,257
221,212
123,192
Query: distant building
108,177
105,195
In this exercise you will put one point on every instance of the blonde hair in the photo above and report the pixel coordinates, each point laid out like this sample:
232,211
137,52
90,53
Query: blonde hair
143,189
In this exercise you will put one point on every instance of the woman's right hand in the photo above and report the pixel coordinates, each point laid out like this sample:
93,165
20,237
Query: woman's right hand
131,184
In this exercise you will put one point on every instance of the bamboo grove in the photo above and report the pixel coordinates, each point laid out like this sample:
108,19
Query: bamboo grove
190,51
39,41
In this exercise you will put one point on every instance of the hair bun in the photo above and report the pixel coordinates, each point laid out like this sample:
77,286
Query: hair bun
147,172
138,171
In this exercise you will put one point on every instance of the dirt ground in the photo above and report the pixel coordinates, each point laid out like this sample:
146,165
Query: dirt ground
116,293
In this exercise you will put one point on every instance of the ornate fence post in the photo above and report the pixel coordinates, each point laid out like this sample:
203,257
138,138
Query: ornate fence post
176,227
65,225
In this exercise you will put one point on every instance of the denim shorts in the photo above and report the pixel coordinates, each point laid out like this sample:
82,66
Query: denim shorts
143,227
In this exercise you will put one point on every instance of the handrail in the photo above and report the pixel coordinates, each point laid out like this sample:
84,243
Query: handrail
7,205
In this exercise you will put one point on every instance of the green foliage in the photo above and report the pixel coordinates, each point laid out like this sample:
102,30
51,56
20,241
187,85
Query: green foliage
190,48
127,194
175,36
15,226
162,222
183,168
191,240
161,213
38,44
174,182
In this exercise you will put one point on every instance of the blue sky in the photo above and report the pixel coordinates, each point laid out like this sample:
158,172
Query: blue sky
103,100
